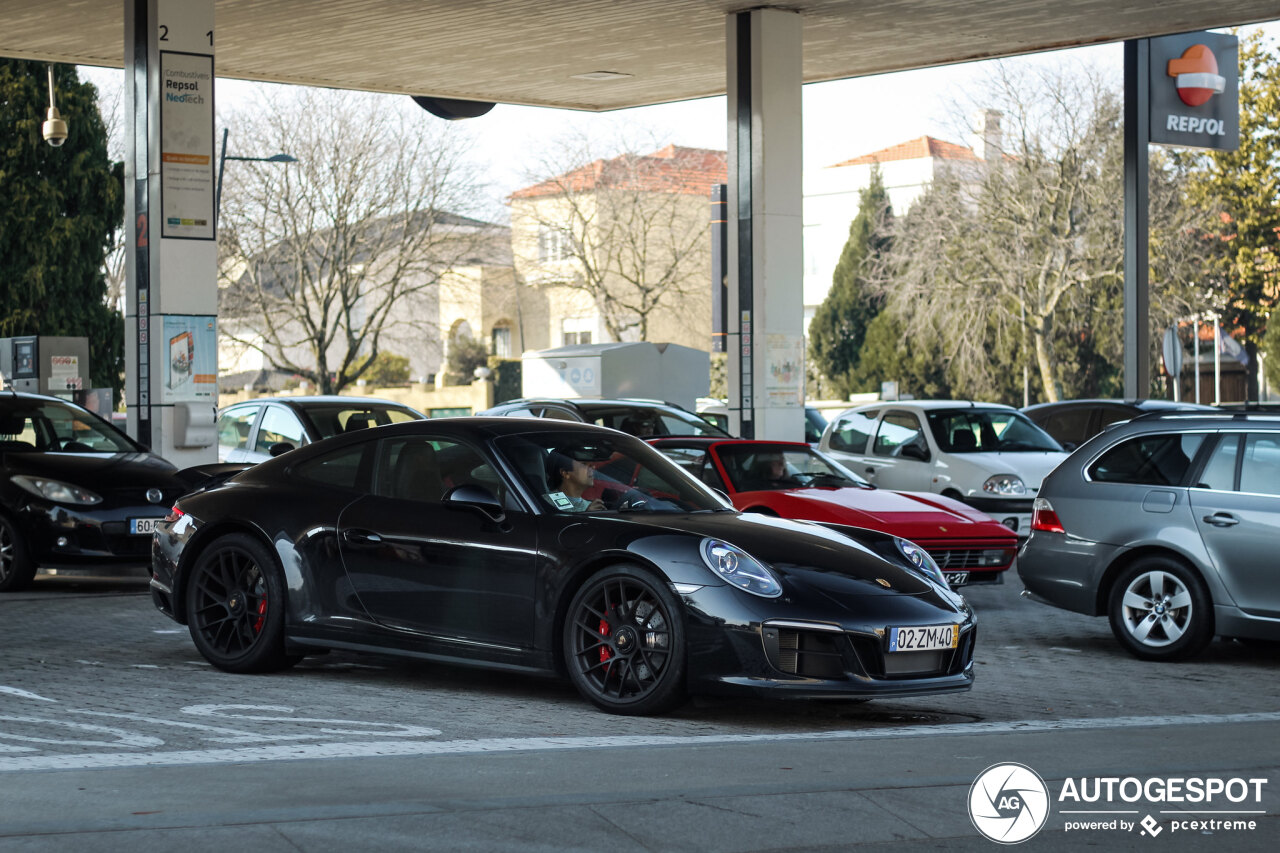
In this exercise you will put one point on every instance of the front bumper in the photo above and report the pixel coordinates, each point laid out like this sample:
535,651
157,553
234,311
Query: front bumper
65,537
787,657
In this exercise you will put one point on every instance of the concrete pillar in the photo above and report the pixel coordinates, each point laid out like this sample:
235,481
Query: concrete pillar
766,261
171,343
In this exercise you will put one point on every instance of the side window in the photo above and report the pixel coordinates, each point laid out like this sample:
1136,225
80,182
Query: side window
1220,472
278,424
1152,460
558,414
1260,473
233,428
338,469
409,469
1109,415
1070,425
897,430
852,432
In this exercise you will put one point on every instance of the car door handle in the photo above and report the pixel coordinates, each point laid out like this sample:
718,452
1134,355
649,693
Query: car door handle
1221,519
361,537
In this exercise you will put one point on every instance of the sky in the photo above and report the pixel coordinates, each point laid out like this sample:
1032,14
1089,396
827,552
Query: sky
842,119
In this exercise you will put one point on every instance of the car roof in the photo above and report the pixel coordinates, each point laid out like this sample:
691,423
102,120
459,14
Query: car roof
325,399
1194,418
930,405
1145,404
699,440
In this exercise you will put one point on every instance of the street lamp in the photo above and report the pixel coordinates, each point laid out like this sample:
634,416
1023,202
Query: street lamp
222,165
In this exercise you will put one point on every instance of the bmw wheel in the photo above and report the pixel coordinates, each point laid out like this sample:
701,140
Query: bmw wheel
624,642
235,607
16,567
1160,610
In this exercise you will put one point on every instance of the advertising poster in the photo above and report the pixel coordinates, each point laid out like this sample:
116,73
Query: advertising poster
784,371
191,359
186,145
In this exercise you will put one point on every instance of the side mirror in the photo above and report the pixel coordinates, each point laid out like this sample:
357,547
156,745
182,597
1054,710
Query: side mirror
280,448
472,496
1069,446
915,451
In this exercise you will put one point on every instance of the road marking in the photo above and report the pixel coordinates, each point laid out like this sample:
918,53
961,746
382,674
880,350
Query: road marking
24,694
373,749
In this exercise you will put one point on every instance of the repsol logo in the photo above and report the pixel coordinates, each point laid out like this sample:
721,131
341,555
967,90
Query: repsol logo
181,85
1194,124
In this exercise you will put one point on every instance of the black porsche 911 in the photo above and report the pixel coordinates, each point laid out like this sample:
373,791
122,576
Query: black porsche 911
75,492
551,548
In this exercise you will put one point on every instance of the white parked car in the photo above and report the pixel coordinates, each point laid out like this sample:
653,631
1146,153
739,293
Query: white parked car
990,456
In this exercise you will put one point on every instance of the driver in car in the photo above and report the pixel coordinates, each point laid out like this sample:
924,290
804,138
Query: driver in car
769,471
568,479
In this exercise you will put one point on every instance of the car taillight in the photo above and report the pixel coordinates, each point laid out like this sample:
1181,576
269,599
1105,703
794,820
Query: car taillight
1044,518
174,515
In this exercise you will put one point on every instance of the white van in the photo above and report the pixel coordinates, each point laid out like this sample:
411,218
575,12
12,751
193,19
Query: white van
990,456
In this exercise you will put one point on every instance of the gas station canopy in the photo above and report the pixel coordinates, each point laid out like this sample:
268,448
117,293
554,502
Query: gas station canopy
595,54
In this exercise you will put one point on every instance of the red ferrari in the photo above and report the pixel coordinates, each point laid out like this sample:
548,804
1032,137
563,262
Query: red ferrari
792,480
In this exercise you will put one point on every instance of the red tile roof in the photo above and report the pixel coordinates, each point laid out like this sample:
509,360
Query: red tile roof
916,149
673,169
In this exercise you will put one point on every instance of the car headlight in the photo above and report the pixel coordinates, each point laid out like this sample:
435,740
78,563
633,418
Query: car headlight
1005,485
921,559
56,490
740,569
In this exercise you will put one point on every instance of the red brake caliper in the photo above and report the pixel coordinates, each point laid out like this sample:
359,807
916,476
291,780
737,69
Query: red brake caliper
605,654
262,616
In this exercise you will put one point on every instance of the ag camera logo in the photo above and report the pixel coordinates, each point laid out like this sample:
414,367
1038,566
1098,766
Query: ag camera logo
1008,803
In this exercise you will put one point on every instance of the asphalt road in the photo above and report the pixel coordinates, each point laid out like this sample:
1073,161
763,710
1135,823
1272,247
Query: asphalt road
114,734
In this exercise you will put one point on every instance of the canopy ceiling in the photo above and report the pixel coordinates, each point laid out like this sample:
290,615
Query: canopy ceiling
533,51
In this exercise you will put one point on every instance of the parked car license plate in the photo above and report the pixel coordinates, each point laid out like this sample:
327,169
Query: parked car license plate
143,526
924,638
955,579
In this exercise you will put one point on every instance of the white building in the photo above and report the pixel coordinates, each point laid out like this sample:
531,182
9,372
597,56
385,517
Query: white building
831,193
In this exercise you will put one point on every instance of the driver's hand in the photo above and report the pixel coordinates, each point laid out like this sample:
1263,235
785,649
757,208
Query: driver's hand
595,505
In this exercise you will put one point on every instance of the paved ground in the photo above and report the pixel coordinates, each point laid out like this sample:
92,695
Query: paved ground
114,734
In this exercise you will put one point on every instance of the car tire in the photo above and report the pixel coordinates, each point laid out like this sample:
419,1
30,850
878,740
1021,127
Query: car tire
17,569
235,606
1160,610
624,642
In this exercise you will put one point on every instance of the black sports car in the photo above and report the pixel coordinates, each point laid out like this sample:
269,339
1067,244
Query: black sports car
548,547
75,492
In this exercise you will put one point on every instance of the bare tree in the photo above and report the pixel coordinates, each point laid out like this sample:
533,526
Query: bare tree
1019,259
322,260
630,233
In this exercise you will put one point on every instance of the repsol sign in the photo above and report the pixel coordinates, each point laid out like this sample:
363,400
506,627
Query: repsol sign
1195,91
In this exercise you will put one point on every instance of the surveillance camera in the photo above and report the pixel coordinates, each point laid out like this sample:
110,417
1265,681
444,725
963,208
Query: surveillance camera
55,129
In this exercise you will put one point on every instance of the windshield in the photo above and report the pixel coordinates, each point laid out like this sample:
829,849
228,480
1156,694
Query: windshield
54,427
757,467
584,472
644,421
987,431
330,419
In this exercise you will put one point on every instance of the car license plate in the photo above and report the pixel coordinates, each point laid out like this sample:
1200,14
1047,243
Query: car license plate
955,579
143,526
925,638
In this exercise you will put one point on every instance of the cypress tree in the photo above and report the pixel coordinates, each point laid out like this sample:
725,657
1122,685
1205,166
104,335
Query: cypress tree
59,208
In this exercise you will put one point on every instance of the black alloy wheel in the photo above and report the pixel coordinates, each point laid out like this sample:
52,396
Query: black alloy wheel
1160,610
624,642
16,567
235,607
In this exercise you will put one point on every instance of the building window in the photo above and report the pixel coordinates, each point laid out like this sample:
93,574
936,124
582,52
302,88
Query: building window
577,330
502,341
553,244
